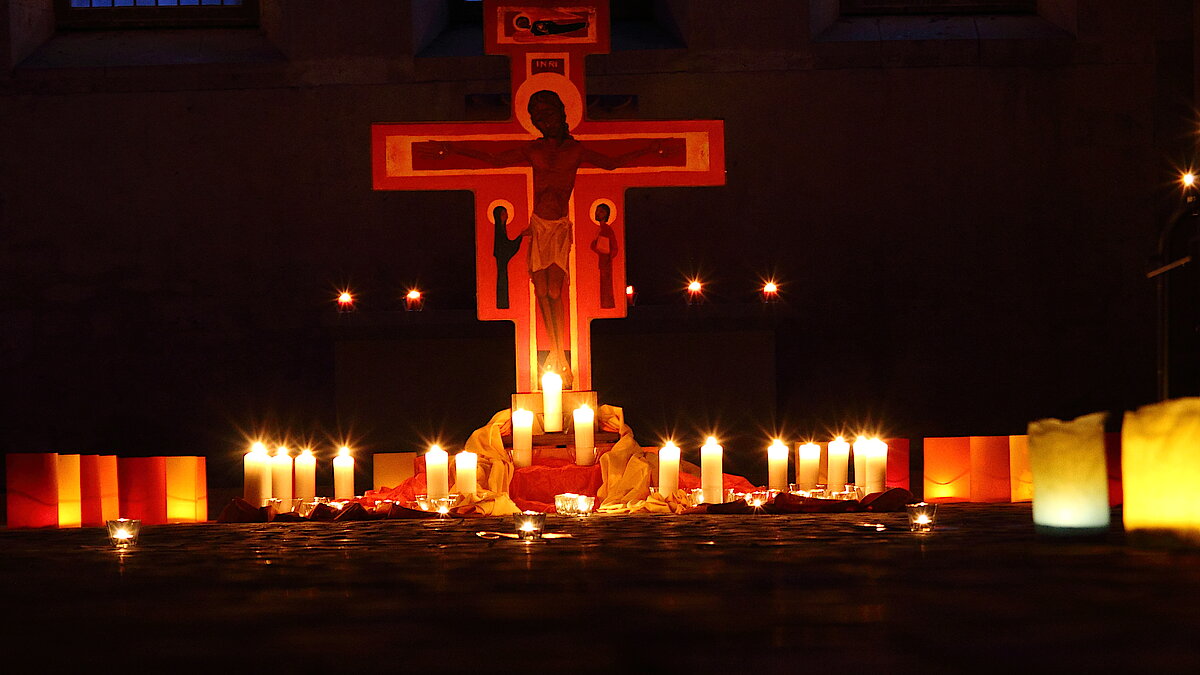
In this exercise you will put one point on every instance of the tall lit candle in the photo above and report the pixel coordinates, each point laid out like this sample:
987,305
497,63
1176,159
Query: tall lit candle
860,460
668,469
256,475
711,478
343,474
839,458
552,402
808,465
585,439
465,464
281,476
437,480
522,425
877,452
306,475
777,463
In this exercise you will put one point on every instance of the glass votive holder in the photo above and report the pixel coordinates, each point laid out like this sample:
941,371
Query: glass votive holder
425,503
758,498
123,532
530,525
921,516
571,504
273,501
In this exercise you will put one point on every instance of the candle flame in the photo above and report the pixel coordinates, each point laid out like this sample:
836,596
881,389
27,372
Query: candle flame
528,526
923,519
122,534
770,287
435,448
306,452
443,509
1188,179
258,447
629,290
694,286
711,440
344,451
414,294
281,450
345,298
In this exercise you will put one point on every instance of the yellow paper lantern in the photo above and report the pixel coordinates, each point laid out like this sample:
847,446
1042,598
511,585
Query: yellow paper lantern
1160,467
1070,479
1021,476
70,501
187,496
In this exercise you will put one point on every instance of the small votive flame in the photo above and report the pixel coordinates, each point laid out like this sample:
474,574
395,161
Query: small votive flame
528,526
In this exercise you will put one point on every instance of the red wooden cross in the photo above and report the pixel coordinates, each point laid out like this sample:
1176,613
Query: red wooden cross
549,185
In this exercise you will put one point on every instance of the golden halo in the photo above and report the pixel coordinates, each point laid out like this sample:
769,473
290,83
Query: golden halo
612,210
565,89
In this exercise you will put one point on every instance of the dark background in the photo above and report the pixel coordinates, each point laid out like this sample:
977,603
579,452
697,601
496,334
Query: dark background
960,211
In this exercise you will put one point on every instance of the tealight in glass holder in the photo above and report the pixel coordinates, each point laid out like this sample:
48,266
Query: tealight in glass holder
273,501
570,504
921,517
123,532
530,525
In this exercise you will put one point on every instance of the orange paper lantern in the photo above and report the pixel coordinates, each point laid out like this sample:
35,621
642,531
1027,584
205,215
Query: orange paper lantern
948,469
990,457
32,489
98,489
143,489
392,468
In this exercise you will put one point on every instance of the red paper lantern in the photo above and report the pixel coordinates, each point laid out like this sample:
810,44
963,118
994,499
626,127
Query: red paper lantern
897,464
32,489
143,489
990,469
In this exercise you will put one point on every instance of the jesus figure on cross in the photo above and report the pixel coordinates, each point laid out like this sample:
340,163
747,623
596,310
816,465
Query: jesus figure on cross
555,159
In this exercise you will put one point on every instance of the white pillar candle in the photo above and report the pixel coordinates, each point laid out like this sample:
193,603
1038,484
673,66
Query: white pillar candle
585,439
808,465
305,482
839,457
711,478
256,476
551,402
860,461
281,477
437,480
465,464
777,463
343,474
522,435
877,452
668,469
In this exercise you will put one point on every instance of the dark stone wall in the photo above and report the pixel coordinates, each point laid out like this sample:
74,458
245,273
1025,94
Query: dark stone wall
961,226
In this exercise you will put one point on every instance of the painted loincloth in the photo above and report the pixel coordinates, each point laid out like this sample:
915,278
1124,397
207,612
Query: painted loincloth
550,243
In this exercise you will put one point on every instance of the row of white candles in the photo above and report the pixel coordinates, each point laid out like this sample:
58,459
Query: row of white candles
285,477
870,466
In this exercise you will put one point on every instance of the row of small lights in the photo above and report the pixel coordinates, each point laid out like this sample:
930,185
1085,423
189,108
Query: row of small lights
414,300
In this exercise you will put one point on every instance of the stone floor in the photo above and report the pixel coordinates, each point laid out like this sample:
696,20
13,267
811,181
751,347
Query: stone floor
706,593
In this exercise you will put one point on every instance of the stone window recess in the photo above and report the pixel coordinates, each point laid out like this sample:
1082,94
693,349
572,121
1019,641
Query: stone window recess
870,7
118,14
